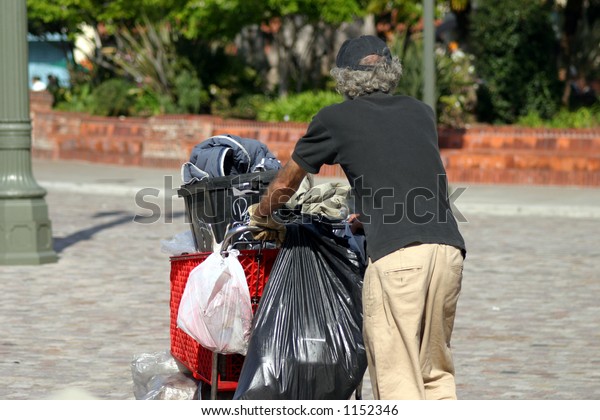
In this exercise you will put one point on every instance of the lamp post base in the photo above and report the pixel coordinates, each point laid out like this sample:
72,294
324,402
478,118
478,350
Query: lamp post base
25,232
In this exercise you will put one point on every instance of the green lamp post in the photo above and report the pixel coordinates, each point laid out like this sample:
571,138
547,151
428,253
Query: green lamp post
25,229
428,53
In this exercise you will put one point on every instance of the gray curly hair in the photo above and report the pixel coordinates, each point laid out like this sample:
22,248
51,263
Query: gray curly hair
384,77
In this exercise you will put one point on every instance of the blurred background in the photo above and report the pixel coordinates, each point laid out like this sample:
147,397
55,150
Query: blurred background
527,62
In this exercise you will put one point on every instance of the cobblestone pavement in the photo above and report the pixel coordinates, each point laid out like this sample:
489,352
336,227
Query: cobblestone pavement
526,327
527,322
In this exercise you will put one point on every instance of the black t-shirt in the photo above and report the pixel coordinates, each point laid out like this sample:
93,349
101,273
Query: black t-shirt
387,146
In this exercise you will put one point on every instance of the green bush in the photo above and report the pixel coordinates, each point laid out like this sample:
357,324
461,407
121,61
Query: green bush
189,92
226,78
410,52
581,118
78,98
455,87
113,98
149,103
118,96
515,46
300,107
247,107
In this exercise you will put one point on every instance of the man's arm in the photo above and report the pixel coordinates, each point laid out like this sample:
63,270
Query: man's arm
284,185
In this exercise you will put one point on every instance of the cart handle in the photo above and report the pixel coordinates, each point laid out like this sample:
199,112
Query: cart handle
231,233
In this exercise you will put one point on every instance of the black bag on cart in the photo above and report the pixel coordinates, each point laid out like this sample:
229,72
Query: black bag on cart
307,340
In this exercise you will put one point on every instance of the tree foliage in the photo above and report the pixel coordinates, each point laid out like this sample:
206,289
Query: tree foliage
580,53
516,56
208,55
283,24
223,19
67,16
290,30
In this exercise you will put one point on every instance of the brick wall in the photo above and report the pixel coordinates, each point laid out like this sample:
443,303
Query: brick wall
479,154
514,155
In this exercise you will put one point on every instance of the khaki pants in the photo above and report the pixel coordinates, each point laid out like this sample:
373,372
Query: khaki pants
409,303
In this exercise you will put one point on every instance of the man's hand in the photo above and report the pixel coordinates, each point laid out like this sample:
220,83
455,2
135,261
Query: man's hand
355,224
272,230
279,192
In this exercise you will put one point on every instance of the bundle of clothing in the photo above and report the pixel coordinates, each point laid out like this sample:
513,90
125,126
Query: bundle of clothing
227,155
329,204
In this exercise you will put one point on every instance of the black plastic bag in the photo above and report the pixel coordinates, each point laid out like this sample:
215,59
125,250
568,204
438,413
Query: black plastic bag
307,335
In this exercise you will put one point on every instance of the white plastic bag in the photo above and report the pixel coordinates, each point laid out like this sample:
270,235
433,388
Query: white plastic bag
215,307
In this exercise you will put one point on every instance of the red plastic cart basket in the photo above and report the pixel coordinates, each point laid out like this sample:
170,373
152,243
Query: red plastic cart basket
199,361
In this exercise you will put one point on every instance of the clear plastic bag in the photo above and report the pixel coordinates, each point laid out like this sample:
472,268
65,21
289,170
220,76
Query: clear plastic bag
181,243
307,339
156,376
215,307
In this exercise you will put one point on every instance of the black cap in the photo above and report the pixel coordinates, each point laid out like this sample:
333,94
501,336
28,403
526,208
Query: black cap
355,49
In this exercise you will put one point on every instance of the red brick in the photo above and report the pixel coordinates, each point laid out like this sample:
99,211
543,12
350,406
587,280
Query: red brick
480,153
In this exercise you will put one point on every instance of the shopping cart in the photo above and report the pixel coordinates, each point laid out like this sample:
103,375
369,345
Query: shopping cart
219,371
